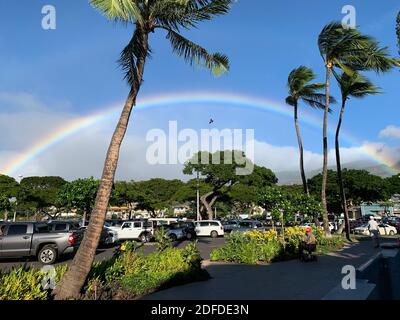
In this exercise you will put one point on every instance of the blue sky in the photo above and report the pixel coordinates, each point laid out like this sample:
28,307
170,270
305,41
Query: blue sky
72,70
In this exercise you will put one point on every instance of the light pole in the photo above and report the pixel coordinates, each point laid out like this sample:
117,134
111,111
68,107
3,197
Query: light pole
13,201
198,197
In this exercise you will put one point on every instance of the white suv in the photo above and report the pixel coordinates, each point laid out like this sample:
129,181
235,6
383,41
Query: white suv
209,228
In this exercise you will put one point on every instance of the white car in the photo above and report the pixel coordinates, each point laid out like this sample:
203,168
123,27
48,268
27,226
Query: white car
209,228
134,230
384,230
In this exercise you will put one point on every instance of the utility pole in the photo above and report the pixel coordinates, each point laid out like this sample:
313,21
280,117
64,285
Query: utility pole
198,198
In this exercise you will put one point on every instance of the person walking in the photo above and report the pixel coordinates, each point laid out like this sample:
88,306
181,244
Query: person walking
374,231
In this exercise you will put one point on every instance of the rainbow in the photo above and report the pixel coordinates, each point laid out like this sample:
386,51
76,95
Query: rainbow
228,99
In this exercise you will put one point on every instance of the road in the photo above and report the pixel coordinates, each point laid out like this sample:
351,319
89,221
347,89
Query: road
205,245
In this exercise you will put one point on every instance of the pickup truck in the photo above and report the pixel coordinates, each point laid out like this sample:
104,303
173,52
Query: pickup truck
24,239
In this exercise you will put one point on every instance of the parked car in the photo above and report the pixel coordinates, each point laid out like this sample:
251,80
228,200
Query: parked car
384,229
190,229
393,221
163,221
114,222
24,239
250,225
332,226
175,231
230,225
142,230
209,228
106,236
63,226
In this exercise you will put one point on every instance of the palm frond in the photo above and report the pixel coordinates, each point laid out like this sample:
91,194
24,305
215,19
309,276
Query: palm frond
350,50
119,10
357,86
174,14
129,58
195,54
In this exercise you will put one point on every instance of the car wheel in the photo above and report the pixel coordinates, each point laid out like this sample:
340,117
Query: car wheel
391,233
47,255
214,234
173,237
189,236
144,238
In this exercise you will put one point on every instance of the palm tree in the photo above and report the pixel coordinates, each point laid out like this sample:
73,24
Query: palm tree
146,16
398,29
348,50
357,86
300,88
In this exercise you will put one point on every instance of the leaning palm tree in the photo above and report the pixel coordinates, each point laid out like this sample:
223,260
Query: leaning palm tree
301,88
349,50
146,16
357,86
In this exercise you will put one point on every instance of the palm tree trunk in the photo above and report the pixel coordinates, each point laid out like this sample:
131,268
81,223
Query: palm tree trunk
74,279
339,172
325,155
303,175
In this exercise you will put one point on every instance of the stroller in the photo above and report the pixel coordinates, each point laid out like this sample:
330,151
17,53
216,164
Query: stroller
306,251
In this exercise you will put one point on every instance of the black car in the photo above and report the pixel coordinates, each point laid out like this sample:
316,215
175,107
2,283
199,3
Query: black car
104,236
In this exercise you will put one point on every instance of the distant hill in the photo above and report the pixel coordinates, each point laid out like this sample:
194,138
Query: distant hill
293,177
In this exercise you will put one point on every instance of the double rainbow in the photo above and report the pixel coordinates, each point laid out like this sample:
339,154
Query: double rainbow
228,99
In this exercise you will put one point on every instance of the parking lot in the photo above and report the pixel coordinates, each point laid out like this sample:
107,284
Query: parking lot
205,245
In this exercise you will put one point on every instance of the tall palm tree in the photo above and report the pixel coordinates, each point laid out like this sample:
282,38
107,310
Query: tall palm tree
146,16
398,29
357,86
301,88
348,50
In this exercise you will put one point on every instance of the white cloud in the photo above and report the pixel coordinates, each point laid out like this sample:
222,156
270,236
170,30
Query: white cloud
390,132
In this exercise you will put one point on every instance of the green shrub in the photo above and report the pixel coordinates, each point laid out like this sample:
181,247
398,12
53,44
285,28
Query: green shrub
22,284
163,241
139,274
242,248
255,247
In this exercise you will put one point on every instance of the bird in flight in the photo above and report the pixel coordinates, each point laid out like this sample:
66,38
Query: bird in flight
211,121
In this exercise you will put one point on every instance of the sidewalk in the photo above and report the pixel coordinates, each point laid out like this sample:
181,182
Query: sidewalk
289,280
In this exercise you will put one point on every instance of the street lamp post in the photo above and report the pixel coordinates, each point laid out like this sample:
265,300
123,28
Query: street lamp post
198,197
13,201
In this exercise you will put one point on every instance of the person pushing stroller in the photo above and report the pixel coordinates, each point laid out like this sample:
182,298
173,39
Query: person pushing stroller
307,246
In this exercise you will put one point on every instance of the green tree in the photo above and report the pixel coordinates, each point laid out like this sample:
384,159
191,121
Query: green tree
359,185
79,194
156,194
125,194
301,88
220,170
393,185
349,50
9,188
40,193
356,86
147,17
